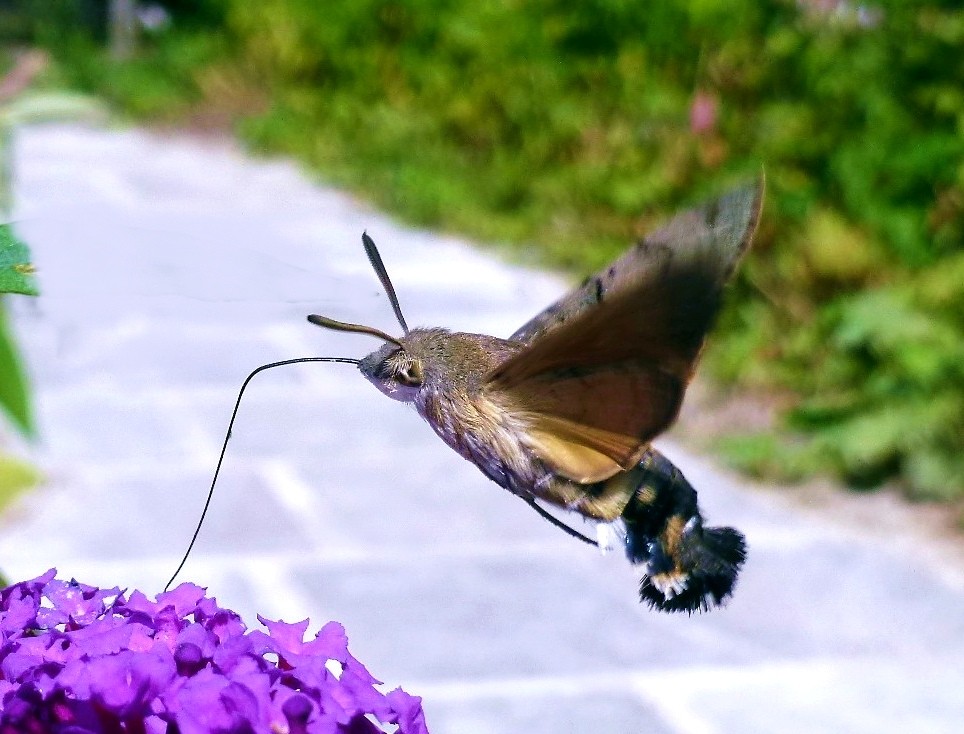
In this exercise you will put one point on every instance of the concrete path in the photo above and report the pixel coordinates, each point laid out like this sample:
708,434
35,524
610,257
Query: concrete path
171,267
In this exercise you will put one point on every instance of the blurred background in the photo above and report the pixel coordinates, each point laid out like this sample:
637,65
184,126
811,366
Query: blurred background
556,132
562,130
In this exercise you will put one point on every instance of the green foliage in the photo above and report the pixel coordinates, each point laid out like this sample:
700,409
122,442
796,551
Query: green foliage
16,272
575,126
881,372
887,393
511,121
16,276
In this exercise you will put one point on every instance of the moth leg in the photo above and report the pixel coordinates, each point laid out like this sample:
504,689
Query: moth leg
602,502
559,523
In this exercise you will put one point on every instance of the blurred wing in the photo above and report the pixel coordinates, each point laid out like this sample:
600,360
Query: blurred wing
605,368
726,224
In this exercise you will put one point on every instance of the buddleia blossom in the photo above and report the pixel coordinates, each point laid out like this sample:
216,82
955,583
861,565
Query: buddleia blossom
75,659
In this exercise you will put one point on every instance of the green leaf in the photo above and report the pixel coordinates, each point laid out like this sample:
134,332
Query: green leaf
14,397
16,272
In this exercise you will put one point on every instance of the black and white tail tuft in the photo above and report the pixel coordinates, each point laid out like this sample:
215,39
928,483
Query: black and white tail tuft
688,568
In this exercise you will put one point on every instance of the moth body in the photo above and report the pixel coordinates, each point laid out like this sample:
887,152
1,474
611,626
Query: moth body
441,373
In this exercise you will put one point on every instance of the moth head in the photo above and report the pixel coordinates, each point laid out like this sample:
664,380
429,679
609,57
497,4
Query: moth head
395,371
395,368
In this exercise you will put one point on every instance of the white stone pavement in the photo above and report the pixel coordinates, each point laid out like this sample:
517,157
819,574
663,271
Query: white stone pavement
171,267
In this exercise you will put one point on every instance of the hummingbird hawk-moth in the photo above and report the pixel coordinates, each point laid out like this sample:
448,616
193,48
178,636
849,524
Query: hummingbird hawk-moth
564,410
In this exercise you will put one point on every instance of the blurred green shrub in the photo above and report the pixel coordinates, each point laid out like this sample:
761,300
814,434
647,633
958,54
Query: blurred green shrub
559,123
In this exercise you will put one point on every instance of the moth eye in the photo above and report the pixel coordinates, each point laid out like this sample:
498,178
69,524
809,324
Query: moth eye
409,375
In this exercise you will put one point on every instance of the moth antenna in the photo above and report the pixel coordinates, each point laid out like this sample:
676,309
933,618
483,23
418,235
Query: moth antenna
328,323
227,437
376,260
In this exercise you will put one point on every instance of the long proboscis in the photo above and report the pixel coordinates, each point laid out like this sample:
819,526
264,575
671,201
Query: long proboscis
227,437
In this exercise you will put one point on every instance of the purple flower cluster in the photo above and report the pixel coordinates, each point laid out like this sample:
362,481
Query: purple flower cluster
75,659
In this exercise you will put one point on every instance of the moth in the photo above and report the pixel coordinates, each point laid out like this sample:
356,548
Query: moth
563,411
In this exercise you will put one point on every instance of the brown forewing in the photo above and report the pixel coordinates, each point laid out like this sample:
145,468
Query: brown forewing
726,223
